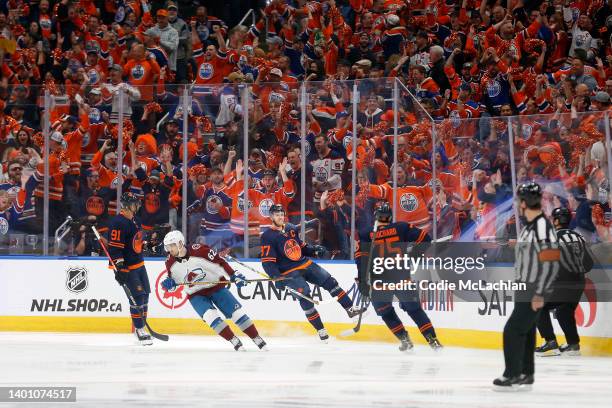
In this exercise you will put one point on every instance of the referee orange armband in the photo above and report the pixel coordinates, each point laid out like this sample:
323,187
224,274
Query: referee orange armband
549,255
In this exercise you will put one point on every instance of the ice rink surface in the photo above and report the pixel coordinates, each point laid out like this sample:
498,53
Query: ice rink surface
204,371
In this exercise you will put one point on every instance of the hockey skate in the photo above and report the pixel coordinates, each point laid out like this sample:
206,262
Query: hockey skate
434,343
323,335
406,344
570,349
237,344
144,338
259,342
548,349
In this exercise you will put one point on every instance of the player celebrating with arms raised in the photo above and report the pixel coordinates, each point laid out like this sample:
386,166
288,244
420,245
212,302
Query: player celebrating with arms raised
206,273
284,254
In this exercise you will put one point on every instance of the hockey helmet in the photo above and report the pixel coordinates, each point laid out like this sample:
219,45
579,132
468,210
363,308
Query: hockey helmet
128,198
276,208
383,213
174,237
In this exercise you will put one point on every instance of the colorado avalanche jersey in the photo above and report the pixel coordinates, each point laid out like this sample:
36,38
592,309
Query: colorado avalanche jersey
201,267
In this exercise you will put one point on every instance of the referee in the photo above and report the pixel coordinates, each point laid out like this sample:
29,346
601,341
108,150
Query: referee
537,265
576,260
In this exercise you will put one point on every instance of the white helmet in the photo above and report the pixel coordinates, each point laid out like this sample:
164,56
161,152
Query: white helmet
174,237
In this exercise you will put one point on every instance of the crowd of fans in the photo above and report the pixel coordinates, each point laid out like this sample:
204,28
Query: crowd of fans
471,76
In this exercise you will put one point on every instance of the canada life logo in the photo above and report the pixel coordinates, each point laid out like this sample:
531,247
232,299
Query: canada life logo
586,319
171,299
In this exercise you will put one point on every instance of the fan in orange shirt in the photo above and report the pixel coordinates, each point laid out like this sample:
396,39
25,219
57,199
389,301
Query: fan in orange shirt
142,72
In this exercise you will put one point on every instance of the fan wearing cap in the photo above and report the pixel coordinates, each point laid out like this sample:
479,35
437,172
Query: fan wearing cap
168,37
13,185
362,48
151,41
94,199
463,107
394,37
75,131
183,51
372,113
600,102
273,91
96,72
156,189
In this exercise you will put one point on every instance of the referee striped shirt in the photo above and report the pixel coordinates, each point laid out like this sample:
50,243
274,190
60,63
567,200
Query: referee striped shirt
573,251
537,255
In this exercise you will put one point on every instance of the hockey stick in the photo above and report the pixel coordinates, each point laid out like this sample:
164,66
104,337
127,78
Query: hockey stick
365,303
365,300
290,290
159,336
230,282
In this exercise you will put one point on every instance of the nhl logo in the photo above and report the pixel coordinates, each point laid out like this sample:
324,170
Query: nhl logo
76,279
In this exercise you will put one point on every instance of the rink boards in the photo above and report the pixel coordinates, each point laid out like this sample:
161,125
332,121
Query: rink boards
81,295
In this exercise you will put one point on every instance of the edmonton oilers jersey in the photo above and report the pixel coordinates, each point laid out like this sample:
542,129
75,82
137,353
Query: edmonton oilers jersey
125,242
216,219
282,252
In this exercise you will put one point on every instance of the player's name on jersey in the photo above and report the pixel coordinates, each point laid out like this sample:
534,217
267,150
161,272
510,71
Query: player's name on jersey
475,285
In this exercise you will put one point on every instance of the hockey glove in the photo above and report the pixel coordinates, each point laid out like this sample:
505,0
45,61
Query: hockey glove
239,279
121,277
168,283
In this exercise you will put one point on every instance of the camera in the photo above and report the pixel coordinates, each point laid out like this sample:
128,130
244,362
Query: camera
83,224
155,243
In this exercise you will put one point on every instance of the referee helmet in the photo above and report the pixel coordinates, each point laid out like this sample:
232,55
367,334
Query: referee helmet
563,215
530,193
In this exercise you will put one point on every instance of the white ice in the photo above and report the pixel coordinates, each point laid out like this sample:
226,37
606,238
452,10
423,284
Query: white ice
203,371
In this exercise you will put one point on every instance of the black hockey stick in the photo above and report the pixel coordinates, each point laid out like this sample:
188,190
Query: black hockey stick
128,292
365,303
365,300
294,292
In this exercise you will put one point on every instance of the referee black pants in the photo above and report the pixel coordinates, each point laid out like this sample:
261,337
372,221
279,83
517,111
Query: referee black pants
520,340
566,318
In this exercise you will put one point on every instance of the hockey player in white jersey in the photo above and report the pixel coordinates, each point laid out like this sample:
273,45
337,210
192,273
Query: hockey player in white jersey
200,269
